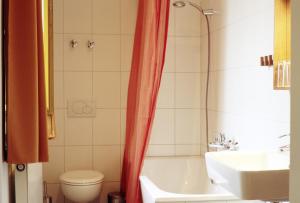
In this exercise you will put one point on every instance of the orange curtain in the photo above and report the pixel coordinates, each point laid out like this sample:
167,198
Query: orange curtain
26,101
146,71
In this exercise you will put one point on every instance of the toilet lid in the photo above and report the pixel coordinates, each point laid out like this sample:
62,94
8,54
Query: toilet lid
81,177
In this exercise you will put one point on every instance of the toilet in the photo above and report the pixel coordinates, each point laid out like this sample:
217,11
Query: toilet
81,185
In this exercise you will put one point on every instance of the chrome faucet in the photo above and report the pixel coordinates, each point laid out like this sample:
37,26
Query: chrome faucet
285,147
221,143
284,135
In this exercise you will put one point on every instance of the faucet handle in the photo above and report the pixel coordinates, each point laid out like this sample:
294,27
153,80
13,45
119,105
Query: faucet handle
91,44
74,43
285,148
222,137
285,135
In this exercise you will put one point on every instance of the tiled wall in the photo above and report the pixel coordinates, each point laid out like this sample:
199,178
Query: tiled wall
242,102
101,75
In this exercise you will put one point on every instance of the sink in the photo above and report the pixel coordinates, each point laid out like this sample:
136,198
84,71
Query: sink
251,175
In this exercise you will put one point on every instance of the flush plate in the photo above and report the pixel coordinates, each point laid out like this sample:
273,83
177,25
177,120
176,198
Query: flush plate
81,108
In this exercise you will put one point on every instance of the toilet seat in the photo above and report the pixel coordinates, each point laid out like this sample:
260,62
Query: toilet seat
81,177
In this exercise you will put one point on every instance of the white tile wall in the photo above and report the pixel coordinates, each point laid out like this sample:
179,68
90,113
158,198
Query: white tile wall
187,90
187,54
78,158
188,149
128,16
77,16
123,125
58,17
242,101
106,89
99,74
107,53
187,21
163,127
78,131
161,150
126,51
167,91
58,51
107,127
170,52
124,88
187,126
58,89
107,160
77,85
106,16
55,166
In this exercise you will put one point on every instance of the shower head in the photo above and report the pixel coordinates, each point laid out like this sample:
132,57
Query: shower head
208,12
181,4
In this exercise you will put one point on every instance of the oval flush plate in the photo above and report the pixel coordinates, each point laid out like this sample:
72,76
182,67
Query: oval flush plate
81,108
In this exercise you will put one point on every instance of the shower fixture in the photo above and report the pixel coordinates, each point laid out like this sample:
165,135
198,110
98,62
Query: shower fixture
181,4
206,13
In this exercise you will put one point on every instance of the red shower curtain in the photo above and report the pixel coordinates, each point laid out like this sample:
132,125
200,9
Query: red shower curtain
146,70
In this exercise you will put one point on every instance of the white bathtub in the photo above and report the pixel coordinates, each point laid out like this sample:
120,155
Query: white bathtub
180,179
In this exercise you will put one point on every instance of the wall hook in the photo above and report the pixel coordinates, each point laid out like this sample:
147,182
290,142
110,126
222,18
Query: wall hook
91,44
73,43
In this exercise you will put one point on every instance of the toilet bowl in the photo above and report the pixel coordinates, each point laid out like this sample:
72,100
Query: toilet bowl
81,185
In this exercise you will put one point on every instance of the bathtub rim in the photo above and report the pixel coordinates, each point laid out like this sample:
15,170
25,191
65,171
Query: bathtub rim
163,196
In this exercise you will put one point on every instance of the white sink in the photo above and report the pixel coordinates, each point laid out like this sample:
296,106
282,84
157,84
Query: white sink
251,175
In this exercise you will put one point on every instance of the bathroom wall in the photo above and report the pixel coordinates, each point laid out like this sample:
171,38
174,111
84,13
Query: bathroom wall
96,78
100,76
242,102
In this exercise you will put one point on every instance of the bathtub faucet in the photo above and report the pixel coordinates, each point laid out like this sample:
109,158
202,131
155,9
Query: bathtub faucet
221,143
285,147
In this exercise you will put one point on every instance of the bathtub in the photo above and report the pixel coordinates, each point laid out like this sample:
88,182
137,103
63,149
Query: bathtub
180,179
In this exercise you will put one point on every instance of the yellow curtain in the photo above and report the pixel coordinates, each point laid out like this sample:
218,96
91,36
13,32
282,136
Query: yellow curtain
48,49
282,49
26,97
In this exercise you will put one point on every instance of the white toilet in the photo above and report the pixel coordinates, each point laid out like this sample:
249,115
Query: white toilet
81,185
